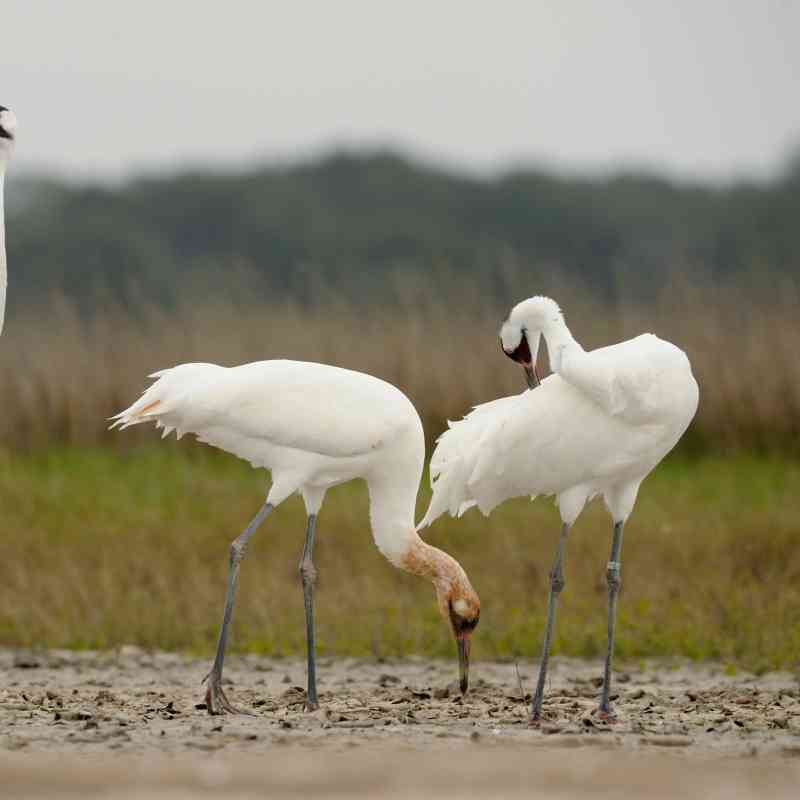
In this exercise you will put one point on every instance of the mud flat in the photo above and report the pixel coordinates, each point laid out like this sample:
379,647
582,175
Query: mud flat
129,721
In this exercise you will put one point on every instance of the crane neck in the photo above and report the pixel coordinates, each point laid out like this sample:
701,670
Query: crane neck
392,508
440,568
3,273
560,342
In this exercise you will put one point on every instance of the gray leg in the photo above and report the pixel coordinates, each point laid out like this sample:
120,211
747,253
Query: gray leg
614,582
216,702
557,584
309,575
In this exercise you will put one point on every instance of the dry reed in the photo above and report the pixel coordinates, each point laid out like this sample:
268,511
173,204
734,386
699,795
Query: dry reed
63,374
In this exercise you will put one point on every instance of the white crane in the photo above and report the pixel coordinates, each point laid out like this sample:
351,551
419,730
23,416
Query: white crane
598,425
313,426
8,127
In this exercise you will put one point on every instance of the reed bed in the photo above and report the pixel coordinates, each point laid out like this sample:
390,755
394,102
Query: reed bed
62,373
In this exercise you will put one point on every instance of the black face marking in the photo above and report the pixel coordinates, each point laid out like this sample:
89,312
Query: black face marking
4,134
461,625
522,355
467,626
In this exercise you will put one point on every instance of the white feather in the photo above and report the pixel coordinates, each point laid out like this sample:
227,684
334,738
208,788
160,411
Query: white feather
598,426
8,122
312,425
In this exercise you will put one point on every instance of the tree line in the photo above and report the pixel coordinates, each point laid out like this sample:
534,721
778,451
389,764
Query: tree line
349,220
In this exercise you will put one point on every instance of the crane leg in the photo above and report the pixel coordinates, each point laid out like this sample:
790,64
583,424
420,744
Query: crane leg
216,702
557,584
614,582
308,573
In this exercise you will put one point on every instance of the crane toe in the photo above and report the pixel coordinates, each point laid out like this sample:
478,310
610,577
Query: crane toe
216,700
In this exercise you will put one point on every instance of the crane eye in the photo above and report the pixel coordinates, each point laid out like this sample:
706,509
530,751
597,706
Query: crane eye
461,624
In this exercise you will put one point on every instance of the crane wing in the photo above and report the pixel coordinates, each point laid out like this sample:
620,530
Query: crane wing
539,442
311,407
632,380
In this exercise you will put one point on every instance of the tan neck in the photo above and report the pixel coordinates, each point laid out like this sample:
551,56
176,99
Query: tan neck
392,505
430,562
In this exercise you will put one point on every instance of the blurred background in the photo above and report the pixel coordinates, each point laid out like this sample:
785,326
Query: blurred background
375,187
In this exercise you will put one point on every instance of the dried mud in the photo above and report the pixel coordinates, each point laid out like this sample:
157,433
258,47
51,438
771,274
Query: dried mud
125,707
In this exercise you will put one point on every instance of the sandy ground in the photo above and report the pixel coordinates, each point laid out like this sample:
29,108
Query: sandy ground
131,723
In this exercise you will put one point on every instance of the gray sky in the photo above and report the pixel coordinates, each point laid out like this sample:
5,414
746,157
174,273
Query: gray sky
702,88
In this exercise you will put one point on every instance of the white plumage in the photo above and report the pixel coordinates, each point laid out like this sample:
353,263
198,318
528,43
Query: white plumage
8,127
313,426
596,426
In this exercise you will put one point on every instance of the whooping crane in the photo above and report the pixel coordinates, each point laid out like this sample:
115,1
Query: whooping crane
8,127
313,426
597,425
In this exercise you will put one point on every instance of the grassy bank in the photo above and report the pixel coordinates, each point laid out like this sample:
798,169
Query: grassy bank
102,549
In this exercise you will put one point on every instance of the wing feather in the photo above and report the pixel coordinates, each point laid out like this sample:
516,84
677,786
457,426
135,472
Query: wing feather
537,443
311,407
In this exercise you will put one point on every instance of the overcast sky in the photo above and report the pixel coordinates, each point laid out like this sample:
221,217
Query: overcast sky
703,88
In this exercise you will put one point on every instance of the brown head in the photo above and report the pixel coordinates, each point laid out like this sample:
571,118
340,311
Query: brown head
458,602
460,605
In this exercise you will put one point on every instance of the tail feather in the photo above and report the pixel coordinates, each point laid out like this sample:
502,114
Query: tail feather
145,409
456,462
161,398
451,467
450,492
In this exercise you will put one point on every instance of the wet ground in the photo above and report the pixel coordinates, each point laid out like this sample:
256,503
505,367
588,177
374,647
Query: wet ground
121,708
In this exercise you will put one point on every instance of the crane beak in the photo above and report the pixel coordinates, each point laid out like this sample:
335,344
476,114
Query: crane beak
532,375
463,642
522,355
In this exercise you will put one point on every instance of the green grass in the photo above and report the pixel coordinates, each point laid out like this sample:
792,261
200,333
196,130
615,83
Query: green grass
101,548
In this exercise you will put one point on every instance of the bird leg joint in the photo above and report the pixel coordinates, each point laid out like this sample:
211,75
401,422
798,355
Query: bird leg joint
237,552
308,572
612,575
557,582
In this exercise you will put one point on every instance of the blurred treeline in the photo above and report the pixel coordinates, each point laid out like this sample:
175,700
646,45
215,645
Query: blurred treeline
350,220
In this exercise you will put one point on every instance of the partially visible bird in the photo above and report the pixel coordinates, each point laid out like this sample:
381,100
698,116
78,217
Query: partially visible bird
597,426
313,426
8,128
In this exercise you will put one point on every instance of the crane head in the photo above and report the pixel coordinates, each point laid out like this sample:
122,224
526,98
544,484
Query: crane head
458,602
461,607
522,331
8,128
514,341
